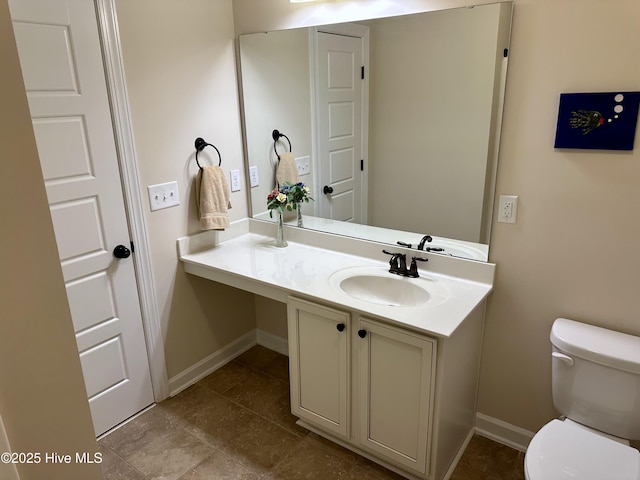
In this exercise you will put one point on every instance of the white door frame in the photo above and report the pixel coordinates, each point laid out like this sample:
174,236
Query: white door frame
350,30
123,133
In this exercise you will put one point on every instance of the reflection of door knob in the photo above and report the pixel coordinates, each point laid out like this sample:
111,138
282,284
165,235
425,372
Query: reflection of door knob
327,189
121,252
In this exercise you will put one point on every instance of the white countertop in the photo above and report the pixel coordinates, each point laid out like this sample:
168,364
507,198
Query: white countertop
251,261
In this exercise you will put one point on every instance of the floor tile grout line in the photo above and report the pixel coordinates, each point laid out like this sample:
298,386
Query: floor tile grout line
121,459
209,444
224,395
257,370
486,460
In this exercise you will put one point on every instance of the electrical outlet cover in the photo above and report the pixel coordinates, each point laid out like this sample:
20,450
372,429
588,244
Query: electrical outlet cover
507,208
254,178
235,180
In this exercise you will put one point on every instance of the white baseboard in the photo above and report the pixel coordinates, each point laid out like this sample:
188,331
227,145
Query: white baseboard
209,364
221,357
503,432
272,342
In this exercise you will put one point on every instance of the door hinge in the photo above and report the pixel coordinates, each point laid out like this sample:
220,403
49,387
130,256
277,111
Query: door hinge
132,249
505,53
362,165
362,72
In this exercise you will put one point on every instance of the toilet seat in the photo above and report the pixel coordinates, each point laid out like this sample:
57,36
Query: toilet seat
562,450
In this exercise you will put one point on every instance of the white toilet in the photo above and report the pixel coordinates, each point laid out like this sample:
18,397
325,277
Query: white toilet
596,387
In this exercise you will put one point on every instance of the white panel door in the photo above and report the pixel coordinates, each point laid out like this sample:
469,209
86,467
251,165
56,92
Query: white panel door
61,61
339,113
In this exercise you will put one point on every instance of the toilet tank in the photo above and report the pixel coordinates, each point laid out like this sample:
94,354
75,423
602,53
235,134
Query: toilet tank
596,377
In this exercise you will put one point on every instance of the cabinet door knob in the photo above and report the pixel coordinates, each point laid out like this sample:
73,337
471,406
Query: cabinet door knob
340,327
362,333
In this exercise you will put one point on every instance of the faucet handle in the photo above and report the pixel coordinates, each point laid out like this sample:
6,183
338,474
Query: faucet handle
402,244
413,269
394,257
394,262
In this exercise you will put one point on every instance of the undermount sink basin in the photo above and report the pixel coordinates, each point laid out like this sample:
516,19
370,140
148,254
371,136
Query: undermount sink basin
376,285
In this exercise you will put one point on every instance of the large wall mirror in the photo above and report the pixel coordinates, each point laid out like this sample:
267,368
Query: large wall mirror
409,150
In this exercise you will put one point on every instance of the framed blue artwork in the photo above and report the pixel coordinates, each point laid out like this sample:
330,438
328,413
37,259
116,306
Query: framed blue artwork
603,121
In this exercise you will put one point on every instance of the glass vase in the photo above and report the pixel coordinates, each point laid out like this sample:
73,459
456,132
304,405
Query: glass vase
280,240
299,210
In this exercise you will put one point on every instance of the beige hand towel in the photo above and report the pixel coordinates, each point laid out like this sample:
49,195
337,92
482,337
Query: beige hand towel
212,198
287,171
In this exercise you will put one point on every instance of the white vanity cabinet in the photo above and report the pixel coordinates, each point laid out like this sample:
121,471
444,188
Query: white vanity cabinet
404,394
363,381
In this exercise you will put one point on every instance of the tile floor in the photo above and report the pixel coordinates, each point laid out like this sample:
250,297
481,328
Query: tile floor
236,424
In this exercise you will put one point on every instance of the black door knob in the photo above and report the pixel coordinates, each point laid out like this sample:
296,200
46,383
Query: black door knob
327,189
340,327
121,252
362,333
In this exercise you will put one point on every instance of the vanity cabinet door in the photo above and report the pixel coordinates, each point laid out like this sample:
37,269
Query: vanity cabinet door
397,372
319,364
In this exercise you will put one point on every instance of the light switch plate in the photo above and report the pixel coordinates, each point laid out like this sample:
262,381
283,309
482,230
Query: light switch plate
235,180
163,195
304,165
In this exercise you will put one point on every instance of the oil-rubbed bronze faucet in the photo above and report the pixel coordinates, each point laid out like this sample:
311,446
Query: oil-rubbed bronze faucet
398,264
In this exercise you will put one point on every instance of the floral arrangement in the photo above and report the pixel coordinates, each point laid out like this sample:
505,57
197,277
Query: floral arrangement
288,196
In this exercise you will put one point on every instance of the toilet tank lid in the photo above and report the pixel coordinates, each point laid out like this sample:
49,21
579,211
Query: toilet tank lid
596,344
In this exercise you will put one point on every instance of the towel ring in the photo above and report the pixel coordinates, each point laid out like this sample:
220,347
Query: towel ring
200,144
276,136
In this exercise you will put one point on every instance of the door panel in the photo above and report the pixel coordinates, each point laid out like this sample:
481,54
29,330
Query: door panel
61,60
91,301
65,154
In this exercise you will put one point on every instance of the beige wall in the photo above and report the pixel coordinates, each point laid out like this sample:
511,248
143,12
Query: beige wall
7,470
43,401
265,15
271,317
180,73
573,251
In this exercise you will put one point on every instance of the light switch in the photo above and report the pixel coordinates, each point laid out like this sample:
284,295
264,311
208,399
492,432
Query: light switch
304,165
163,195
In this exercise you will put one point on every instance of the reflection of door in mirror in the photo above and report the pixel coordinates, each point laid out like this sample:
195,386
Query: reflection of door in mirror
339,132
